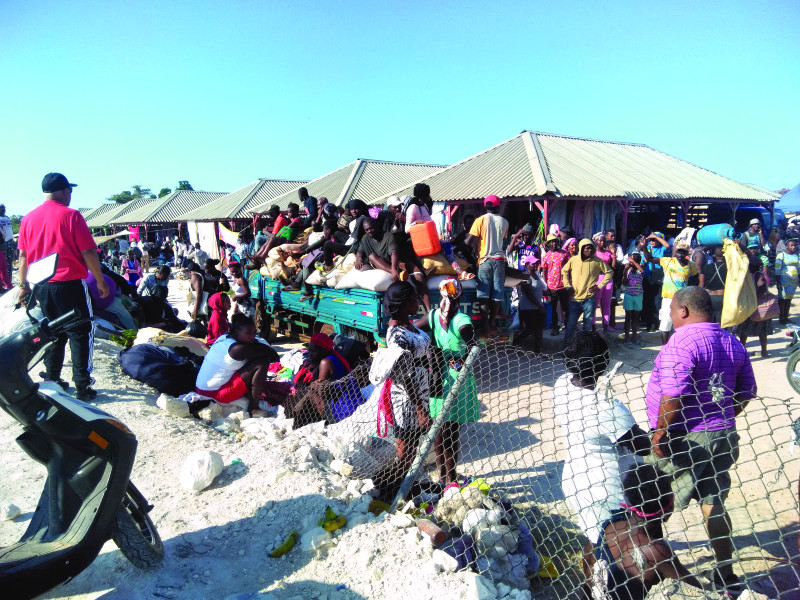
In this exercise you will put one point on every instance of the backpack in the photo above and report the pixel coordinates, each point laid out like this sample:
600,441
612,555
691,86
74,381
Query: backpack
160,367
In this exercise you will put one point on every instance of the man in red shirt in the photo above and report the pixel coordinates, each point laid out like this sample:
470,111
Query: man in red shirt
53,227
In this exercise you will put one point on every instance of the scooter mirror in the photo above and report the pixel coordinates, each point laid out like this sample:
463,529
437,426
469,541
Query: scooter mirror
42,270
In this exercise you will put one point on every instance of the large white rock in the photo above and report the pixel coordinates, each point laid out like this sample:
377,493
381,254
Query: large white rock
8,511
200,468
442,561
479,588
173,406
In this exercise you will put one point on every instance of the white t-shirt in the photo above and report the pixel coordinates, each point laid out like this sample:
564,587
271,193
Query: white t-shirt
218,367
592,481
415,214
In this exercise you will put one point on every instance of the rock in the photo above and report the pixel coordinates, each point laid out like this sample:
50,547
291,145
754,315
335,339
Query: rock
303,454
342,467
356,519
443,562
401,521
521,595
315,540
751,595
250,596
200,468
503,590
8,511
479,588
474,520
226,425
368,487
276,476
354,487
173,406
496,541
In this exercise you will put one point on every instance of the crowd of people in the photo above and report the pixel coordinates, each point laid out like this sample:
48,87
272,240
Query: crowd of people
623,483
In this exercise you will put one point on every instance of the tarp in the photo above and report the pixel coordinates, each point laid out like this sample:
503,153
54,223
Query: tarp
226,235
790,201
102,239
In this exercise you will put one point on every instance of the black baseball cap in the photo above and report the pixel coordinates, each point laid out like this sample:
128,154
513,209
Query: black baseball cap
54,182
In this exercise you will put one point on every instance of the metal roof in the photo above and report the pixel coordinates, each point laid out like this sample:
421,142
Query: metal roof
101,215
237,205
166,209
532,164
364,179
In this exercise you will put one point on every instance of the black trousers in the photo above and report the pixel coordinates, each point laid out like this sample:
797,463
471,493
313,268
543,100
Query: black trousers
330,248
57,298
559,297
651,303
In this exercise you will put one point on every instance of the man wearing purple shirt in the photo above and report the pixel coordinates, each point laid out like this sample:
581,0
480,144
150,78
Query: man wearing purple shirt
702,379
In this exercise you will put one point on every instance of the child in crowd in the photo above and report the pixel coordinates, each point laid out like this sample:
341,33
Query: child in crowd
532,311
219,304
632,303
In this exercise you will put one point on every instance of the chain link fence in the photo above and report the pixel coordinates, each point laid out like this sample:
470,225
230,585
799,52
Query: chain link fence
534,481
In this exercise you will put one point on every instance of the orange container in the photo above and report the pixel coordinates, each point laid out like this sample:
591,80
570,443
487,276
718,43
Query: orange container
425,238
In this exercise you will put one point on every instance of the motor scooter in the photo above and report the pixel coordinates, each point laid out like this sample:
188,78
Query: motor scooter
88,497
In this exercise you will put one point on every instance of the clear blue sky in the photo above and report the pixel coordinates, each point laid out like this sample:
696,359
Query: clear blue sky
221,93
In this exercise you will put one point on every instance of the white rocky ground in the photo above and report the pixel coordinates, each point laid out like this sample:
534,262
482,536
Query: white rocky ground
217,541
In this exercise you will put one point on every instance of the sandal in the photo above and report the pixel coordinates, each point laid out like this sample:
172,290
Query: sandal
466,275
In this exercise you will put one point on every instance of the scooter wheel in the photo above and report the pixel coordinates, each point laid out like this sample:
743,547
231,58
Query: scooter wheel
792,373
134,532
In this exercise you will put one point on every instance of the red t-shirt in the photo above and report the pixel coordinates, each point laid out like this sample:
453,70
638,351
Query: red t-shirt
280,223
53,227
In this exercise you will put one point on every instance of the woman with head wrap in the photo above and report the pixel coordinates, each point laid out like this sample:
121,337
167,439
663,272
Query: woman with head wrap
219,304
571,246
454,335
400,372
604,293
323,363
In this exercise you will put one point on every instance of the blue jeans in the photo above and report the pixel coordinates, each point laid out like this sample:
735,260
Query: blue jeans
576,307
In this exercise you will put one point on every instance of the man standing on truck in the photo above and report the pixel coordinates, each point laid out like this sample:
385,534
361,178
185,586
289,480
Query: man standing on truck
488,232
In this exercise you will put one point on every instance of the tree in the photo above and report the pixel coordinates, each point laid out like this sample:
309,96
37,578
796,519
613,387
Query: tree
140,192
184,185
121,198
164,192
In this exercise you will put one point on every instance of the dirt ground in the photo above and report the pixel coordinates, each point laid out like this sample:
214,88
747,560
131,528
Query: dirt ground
217,541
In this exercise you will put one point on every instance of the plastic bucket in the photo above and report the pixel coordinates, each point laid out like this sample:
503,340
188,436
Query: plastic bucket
714,235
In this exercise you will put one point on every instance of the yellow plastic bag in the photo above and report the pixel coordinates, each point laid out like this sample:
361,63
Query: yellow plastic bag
739,300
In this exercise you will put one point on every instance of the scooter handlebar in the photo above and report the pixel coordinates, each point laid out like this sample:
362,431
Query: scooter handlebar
59,321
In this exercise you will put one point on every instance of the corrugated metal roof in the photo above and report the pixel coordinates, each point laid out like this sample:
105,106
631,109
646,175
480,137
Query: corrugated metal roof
236,205
364,179
100,217
166,209
531,164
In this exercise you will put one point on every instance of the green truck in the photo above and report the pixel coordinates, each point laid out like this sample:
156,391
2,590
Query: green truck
355,313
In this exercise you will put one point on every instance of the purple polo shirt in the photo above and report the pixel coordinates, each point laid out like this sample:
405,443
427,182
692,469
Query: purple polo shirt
685,367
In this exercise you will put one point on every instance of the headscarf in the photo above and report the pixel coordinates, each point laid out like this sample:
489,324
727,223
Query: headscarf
598,236
398,294
566,244
218,320
326,343
451,291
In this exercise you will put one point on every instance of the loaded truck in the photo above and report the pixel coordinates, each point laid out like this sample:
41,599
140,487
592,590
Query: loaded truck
355,313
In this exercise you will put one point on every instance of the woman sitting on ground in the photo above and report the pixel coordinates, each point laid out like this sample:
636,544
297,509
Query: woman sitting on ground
452,331
236,366
632,543
599,432
324,364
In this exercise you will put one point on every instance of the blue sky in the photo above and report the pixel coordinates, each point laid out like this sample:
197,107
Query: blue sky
120,93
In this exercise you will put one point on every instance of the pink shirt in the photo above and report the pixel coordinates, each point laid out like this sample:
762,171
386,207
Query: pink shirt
552,263
53,227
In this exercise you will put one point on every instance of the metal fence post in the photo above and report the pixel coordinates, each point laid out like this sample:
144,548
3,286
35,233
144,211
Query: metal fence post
427,441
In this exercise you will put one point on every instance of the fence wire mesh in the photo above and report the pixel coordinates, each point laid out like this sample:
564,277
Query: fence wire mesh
539,466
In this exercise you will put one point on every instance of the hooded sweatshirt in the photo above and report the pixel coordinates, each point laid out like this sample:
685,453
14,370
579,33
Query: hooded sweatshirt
218,321
581,273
